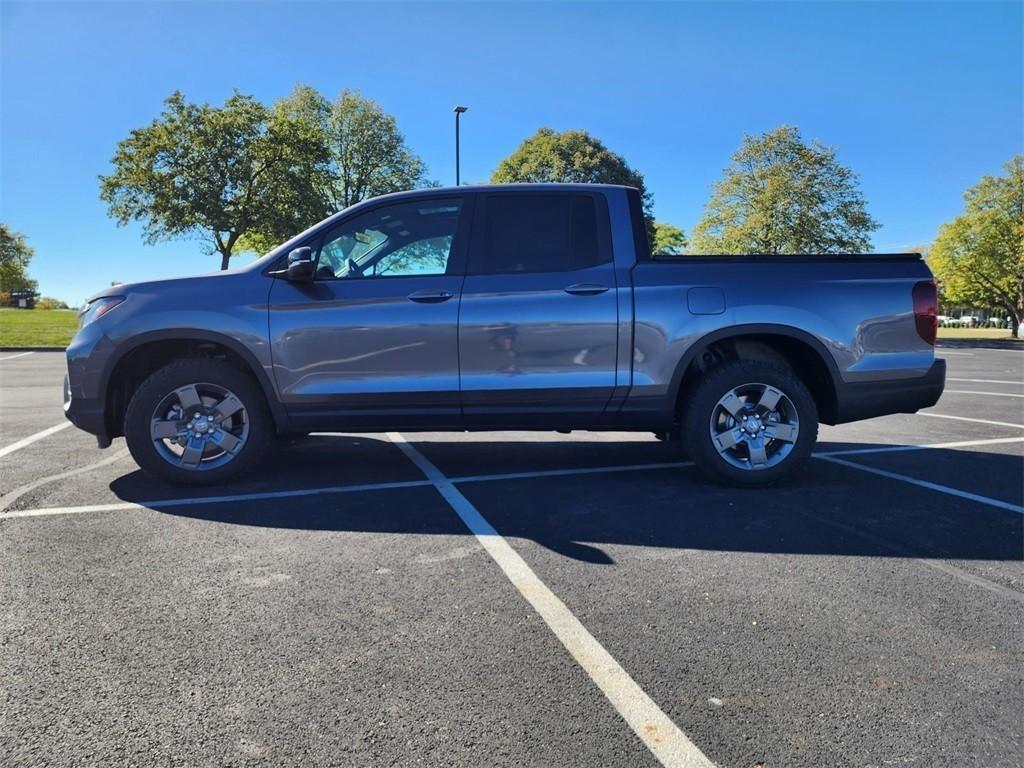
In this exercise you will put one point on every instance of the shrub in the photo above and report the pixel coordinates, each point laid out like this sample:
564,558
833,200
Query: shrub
48,302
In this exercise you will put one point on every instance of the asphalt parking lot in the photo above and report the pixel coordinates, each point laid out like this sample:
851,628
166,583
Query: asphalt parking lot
516,599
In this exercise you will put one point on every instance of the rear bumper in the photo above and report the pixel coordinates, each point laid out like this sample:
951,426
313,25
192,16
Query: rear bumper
865,400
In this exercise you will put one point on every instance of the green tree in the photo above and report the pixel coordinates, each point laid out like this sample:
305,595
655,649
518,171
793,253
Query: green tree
369,156
782,195
15,255
365,153
978,257
217,172
573,157
668,238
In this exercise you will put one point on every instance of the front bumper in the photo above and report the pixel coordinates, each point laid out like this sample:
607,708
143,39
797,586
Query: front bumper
84,396
88,415
867,399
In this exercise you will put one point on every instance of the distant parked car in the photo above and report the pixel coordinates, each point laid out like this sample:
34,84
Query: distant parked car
968,321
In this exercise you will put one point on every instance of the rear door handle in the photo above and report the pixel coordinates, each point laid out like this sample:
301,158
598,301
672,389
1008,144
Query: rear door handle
430,297
585,289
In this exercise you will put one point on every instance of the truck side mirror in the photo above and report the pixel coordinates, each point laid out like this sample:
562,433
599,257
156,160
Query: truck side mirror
300,265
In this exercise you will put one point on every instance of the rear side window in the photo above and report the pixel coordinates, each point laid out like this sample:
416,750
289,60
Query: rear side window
540,233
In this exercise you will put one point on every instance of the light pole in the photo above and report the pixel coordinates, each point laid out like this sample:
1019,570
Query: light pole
458,111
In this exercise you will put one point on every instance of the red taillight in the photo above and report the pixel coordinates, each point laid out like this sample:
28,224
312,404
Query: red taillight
926,310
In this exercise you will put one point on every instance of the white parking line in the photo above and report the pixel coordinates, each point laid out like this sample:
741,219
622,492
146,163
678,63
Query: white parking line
654,728
202,500
969,418
925,484
976,392
563,472
900,448
265,495
12,496
47,511
262,496
985,381
33,438
12,357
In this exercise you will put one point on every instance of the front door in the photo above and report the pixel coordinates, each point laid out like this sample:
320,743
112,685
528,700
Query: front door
372,342
538,324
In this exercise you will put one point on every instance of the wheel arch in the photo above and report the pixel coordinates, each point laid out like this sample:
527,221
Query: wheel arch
146,353
804,353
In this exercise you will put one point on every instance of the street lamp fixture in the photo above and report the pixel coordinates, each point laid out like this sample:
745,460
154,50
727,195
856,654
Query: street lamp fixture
458,111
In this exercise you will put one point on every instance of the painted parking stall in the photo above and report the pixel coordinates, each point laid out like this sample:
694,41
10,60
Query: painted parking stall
516,598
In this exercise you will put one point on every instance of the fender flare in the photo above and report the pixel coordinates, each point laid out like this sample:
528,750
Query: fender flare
755,329
277,410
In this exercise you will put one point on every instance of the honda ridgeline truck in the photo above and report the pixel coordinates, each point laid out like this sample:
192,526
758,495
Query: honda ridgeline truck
536,307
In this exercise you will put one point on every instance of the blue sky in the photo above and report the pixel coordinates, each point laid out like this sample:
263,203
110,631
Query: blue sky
921,99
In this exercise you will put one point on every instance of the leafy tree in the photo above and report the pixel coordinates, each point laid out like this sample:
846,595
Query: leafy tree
979,256
15,255
369,156
668,238
365,154
782,195
572,157
216,172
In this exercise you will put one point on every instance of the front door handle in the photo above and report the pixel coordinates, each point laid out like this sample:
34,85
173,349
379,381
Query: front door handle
585,289
430,297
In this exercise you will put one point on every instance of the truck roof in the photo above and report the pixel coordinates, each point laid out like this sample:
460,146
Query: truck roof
517,187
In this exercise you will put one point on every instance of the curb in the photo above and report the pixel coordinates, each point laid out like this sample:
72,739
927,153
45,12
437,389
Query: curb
32,349
1014,344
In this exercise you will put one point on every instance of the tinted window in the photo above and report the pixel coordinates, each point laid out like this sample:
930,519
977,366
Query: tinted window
539,233
392,241
586,249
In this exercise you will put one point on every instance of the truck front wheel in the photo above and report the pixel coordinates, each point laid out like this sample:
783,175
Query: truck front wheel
749,423
198,421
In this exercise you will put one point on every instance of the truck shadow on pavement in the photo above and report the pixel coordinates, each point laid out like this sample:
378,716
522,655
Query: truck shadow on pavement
824,509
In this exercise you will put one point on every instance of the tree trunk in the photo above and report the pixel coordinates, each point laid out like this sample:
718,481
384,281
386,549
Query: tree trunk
226,247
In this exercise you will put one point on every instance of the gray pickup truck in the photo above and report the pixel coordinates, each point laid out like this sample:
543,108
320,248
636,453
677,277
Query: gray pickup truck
536,307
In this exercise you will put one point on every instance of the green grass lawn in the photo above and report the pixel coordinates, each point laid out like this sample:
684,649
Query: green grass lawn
987,334
37,327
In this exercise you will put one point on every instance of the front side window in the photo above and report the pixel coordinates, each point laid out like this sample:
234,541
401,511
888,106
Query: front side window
540,233
400,240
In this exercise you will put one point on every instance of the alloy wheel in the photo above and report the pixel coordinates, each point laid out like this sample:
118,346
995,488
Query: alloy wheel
754,426
199,427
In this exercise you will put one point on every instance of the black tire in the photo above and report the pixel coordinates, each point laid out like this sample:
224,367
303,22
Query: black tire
701,404
156,388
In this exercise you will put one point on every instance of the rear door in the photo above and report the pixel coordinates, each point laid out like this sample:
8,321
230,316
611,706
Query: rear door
372,342
537,324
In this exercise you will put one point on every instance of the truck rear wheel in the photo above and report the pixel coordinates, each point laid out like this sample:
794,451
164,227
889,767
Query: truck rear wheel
750,423
198,421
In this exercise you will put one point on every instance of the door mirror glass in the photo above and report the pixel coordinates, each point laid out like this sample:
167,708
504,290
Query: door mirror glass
300,265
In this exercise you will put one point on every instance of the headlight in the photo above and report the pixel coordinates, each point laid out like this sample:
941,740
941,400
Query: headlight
94,310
